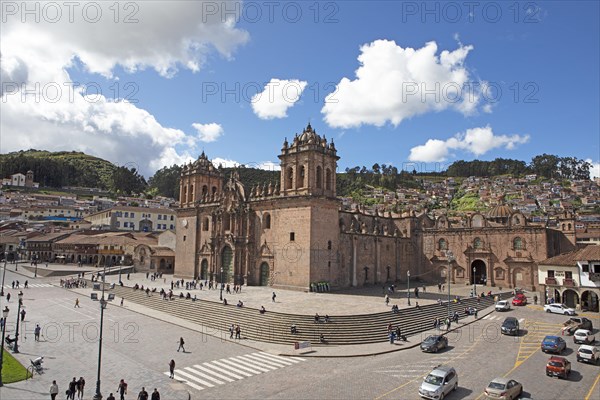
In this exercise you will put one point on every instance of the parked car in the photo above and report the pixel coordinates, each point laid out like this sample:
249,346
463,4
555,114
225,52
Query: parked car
575,323
510,326
587,353
554,344
558,366
559,309
519,300
503,305
583,336
503,389
434,343
438,383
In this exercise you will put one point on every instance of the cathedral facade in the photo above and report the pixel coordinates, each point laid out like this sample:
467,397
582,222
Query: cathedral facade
295,233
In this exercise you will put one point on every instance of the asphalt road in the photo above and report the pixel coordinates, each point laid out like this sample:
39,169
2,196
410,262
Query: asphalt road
138,348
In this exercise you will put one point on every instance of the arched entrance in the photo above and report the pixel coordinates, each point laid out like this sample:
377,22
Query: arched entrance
162,264
264,274
204,269
478,275
589,301
570,298
226,264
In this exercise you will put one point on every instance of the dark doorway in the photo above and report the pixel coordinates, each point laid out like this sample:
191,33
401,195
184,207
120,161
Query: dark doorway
478,275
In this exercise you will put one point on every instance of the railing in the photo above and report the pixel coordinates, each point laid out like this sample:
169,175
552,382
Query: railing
569,282
594,276
551,281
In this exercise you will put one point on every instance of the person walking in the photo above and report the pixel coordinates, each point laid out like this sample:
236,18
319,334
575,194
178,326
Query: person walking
8,297
231,331
122,301
387,300
23,313
273,297
53,390
172,369
155,395
122,389
77,303
238,332
181,343
36,332
72,389
143,395
80,387
110,397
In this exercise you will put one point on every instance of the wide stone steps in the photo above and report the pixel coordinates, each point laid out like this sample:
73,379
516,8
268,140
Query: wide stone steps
274,327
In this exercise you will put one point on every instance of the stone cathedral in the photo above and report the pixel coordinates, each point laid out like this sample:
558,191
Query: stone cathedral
295,232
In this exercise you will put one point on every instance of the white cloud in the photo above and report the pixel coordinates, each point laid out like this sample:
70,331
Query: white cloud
277,97
395,83
40,55
208,132
477,141
228,163
594,169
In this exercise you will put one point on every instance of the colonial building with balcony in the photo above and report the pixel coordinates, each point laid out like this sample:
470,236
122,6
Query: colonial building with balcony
572,278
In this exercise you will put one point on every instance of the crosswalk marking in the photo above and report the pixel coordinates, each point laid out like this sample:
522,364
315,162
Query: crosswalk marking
226,370
31,285
208,371
210,378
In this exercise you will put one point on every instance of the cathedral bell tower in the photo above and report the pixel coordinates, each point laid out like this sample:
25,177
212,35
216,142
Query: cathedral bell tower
308,165
200,182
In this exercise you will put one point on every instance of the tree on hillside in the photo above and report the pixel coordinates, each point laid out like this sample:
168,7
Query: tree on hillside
166,181
127,181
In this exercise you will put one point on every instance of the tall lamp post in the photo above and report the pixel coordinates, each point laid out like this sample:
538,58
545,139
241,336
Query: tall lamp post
98,395
408,275
16,346
35,262
474,284
4,316
3,275
450,259
221,292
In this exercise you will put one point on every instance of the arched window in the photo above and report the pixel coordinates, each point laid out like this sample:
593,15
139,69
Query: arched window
328,179
301,175
184,198
319,177
442,244
205,222
267,221
289,182
517,243
329,245
226,222
204,190
477,243
192,193
214,190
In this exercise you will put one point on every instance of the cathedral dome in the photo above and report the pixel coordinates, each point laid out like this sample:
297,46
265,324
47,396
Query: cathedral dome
502,211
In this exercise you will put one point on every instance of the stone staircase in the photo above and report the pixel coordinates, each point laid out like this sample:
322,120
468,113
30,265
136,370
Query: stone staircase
273,327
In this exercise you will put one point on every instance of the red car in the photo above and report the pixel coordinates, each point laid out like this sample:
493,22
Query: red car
519,300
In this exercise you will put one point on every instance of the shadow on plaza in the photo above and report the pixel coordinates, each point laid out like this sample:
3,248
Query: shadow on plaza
400,291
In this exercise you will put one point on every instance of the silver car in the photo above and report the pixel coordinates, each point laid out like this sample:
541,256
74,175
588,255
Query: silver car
439,383
503,305
503,389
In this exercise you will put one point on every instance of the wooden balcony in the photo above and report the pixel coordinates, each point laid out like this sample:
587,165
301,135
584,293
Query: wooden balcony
551,281
569,282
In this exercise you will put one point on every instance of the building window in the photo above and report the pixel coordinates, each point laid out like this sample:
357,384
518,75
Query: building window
329,245
126,224
550,273
165,217
132,225
267,221
442,244
172,217
159,216
568,275
119,224
292,236
518,243
184,237
585,268
205,224
126,214
319,177
477,243
132,215
171,226
328,183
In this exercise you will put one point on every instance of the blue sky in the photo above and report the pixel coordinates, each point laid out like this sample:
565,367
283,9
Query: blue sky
528,73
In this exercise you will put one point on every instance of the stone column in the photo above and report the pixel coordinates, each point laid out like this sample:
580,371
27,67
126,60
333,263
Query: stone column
377,272
353,272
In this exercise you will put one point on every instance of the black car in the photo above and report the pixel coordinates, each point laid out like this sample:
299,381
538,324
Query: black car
510,326
434,343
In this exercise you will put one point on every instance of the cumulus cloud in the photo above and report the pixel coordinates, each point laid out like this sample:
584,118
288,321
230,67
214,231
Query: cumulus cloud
395,83
208,132
42,108
277,97
228,163
476,141
594,169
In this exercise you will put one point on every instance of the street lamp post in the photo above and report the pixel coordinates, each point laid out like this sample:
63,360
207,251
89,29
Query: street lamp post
450,259
35,262
221,292
98,395
3,275
4,316
474,284
408,275
16,345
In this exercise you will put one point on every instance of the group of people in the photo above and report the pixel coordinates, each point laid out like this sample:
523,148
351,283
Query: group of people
235,330
318,318
395,334
73,283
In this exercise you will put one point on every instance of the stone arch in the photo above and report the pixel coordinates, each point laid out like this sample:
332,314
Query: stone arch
204,269
214,190
264,274
301,178
477,221
267,221
478,277
589,301
162,264
205,223
570,298
328,179
289,178
319,177
204,190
